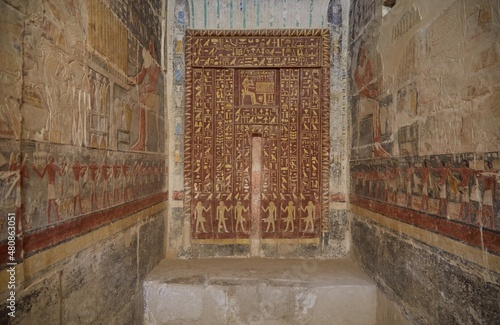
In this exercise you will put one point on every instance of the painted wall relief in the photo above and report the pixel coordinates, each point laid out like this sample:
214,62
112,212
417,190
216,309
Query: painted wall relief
55,84
414,101
257,139
85,78
149,123
367,123
100,104
361,14
471,88
46,187
80,68
10,78
436,119
407,21
443,186
107,35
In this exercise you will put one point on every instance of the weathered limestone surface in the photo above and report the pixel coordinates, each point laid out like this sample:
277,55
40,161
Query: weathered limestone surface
39,303
259,291
151,249
431,287
389,313
108,275
99,285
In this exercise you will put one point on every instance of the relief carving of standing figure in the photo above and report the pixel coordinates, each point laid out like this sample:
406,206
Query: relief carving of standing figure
147,79
364,78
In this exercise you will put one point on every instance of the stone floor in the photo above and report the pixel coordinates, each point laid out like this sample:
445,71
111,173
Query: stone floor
259,291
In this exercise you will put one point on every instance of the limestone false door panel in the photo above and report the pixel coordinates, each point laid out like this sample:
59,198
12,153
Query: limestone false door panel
256,147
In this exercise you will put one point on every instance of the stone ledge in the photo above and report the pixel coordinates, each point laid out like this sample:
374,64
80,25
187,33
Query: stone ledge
259,291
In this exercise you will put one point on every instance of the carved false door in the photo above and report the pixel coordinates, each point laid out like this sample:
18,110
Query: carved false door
256,159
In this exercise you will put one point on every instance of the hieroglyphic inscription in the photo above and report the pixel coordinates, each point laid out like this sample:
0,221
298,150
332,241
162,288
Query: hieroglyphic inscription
269,182
287,150
224,116
202,160
227,108
251,51
310,126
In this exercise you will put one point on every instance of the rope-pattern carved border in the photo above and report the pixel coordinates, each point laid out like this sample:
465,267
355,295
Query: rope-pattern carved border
188,129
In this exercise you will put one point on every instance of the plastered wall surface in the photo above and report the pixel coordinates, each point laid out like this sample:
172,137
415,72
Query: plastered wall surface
425,155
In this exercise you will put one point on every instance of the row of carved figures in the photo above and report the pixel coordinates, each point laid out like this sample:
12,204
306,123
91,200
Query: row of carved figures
443,181
289,215
118,180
